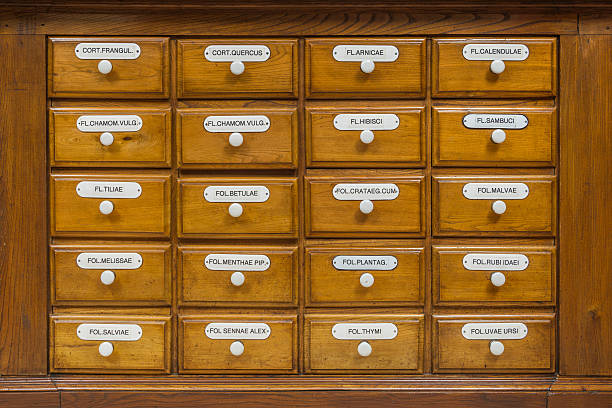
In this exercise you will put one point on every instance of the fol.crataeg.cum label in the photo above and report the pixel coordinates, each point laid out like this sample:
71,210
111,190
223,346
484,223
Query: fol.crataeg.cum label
365,191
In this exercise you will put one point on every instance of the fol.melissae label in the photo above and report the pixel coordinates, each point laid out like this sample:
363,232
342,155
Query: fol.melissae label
236,123
230,53
109,331
236,194
363,191
237,331
495,191
369,121
109,260
377,53
109,123
364,331
495,262
124,51
494,331
236,262
365,262
489,52
495,121
108,189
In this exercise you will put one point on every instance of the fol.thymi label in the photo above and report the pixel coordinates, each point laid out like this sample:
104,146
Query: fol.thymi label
230,53
365,262
236,194
495,262
369,121
235,123
109,123
237,331
377,53
363,191
122,51
364,331
108,189
494,331
109,331
489,52
495,191
235,262
109,260
495,121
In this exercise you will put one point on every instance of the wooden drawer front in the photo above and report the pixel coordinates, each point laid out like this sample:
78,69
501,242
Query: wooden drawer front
470,275
454,213
403,78
138,274
147,215
328,216
455,144
275,217
275,147
147,146
324,353
329,147
212,275
273,351
142,77
452,352
199,77
149,354
453,75
334,276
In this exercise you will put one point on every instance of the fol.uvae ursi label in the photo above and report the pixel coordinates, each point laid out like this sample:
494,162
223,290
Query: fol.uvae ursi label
235,262
125,51
109,123
495,191
109,331
230,53
108,189
366,121
376,53
363,191
365,262
364,331
489,52
236,194
494,121
237,331
109,260
495,262
494,331
237,123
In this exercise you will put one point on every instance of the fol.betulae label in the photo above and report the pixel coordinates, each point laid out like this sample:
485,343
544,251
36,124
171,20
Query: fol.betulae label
108,189
236,262
230,53
365,262
109,260
495,121
369,121
125,51
364,331
489,52
495,191
236,194
494,331
109,123
237,331
109,332
495,262
365,191
236,123
359,52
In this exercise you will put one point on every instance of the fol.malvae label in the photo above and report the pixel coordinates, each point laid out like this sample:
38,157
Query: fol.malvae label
109,123
495,262
108,189
494,331
230,53
495,191
495,121
123,51
364,191
236,262
109,260
237,123
489,52
237,331
376,53
236,194
364,331
365,262
369,121
109,331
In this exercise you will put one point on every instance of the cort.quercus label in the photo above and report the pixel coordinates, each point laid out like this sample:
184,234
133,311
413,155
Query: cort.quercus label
495,191
494,331
364,331
230,53
237,331
109,260
109,123
108,189
236,262
109,331
121,51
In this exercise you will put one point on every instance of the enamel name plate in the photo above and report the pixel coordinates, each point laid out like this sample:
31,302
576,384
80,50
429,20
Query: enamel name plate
495,262
376,53
490,52
109,123
495,191
495,121
230,53
121,51
364,262
364,331
109,260
229,124
237,331
369,121
363,191
234,262
108,189
494,331
236,194
105,332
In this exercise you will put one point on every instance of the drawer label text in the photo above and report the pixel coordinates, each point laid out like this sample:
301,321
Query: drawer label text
236,262
109,260
364,331
376,53
495,262
235,123
489,52
109,123
230,53
495,191
236,194
104,331
494,331
494,121
363,191
122,51
366,121
237,331
364,262
108,189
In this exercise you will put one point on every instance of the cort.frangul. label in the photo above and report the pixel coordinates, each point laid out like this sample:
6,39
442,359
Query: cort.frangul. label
124,51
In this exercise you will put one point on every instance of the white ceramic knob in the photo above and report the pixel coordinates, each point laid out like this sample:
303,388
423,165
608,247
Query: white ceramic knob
496,348
236,139
498,136
367,66
237,67
107,138
105,349
498,207
364,349
106,207
105,66
366,280
366,206
366,136
498,279
237,348
237,278
107,277
235,210
497,66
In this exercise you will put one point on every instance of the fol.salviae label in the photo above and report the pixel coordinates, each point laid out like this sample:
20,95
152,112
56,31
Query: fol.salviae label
495,191
109,260
108,189
495,121
236,194
365,191
230,53
237,123
494,331
109,331
109,123
489,52
495,262
119,51
373,52
364,331
365,262
369,121
237,331
236,262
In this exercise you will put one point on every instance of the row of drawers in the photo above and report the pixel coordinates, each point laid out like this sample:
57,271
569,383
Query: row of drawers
334,67
264,134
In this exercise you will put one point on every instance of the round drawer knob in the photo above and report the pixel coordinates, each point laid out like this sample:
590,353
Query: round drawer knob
366,280
496,348
237,67
107,138
106,207
237,278
498,136
366,136
237,348
499,207
105,66
366,206
367,66
364,349
236,139
107,277
235,210
498,279
497,66
105,349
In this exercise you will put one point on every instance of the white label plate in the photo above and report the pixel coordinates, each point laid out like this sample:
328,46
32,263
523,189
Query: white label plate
236,262
364,331
109,260
495,121
369,121
495,262
363,191
108,189
119,51
236,194
364,262
110,331
495,191
490,52
237,331
230,53
235,123
494,331
109,123
376,53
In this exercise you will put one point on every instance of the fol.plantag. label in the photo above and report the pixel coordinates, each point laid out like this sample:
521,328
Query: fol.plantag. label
490,52
376,53
230,53
494,331
495,191
234,262
364,331
108,189
495,121
109,331
495,262
369,121
236,194
363,191
235,123
109,260
121,51
109,123
237,331
365,262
